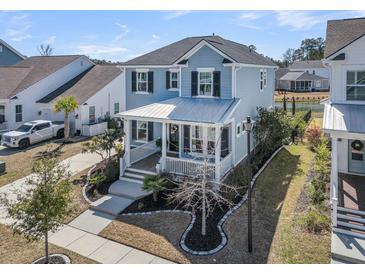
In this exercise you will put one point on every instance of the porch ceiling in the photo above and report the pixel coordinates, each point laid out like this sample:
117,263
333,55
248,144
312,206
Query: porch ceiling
344,117
196,110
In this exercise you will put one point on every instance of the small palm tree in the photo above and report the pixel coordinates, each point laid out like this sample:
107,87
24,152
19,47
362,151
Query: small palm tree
67,105
154,183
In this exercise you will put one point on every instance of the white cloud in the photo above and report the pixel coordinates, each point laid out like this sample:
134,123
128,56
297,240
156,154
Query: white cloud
21,38
155,36
250,16
154,39
50,40
124,30
298,20
16,26
247,20
176,14
99,49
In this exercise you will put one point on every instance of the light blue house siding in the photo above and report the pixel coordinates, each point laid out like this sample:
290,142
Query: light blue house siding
248,90
7,57
160,93
206,58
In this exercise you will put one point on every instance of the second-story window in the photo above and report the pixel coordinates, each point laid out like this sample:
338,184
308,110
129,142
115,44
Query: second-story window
263,79
355,85
142,81
206,83
174,79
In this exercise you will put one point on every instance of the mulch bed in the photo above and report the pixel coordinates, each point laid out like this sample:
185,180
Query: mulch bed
54,259
94,193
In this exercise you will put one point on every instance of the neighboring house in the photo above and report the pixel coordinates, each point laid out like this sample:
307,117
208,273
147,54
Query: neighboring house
30,88
301,76
280,72
8,55
344,121
195,95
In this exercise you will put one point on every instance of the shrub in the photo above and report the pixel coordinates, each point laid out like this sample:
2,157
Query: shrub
154,183
314,134
111,171
315,221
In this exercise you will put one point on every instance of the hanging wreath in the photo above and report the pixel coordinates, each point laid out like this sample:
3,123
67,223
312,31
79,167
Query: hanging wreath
357,145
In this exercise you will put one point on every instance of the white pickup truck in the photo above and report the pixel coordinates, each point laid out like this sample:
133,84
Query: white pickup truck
32,132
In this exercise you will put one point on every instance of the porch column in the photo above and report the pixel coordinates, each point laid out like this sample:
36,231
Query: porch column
180,140
127,141
163,148
217,147
334,181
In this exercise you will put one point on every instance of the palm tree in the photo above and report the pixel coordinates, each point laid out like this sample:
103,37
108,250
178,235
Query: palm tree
67,105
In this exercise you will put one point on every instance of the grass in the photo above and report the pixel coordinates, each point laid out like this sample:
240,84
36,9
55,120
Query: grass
19,162
302,96
15,249
278,238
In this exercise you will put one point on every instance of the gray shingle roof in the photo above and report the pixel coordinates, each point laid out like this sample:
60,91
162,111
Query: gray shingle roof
202,110
169,54
341,33
309,64
10,79
85,85
300,76
280,72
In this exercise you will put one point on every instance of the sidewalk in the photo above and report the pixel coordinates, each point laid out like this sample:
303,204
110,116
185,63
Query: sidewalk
100,249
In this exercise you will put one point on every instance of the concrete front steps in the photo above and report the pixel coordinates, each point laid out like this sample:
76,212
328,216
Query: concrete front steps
346,248
122,192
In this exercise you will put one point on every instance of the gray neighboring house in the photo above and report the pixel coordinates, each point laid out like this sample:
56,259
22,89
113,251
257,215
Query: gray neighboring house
310,75
194,95
8,55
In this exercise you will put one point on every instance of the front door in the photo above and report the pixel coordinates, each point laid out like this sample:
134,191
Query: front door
174,138
356,156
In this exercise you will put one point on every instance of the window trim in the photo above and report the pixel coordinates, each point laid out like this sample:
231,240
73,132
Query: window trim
19,113
238,130
116,112
263,79
201,129
177,71
206,70
354,85
138,128
138,71
92,107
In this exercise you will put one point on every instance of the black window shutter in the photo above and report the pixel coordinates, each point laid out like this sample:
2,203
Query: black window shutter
150,81
167,79
224,142
134,129
216,83
134,81
194,83
186,138
150,131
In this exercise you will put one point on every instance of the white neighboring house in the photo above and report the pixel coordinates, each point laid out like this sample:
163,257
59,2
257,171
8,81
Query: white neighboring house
310,75
29,88
344,121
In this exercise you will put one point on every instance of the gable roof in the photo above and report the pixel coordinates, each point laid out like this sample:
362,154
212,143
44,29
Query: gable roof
170,54
308,64
280,72
341,33
301,75
85,85
30,71
2,42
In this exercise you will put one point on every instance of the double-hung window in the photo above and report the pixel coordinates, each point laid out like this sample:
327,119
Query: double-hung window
92,118
142,81
116,108
197,139
205,83
142,131
211,140
355,85
263,79
18,113
174,80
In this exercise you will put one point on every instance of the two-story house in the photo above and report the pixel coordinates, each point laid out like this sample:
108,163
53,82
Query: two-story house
344,121
30,88
8,55
194,96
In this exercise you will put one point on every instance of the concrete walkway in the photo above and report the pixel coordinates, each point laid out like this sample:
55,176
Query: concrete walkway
100,249
347,249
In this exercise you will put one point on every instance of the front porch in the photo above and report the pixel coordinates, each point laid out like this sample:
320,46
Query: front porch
351,191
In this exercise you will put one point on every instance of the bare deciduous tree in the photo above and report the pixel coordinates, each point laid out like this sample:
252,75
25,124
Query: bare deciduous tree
45,50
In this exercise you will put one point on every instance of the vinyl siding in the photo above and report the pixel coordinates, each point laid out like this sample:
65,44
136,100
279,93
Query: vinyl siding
7,57
207,58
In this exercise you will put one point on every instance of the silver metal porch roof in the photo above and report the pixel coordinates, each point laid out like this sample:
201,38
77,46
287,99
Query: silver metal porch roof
344,117
197,110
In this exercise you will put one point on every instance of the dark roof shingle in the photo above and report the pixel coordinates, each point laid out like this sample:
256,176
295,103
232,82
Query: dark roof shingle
341,33
85,85
169,54
308,64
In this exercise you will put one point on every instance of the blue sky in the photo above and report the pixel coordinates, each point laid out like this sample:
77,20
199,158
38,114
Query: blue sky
122,35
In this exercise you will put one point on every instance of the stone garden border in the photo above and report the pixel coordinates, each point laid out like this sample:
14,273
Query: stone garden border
220,223
87,184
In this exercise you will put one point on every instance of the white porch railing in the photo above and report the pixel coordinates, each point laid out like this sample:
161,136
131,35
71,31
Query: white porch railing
143,151
225,165
123,164
94,129
187,167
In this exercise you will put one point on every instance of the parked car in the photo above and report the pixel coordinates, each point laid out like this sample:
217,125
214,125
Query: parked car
33,132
